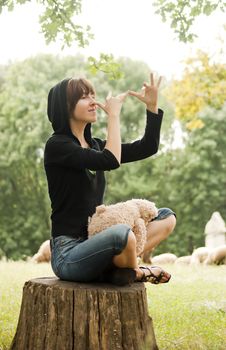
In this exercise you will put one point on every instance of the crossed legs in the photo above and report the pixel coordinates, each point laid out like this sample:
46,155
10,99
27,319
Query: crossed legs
128,258
156,232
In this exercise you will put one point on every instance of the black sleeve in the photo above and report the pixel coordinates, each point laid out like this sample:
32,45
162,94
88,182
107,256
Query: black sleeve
67,153
148,144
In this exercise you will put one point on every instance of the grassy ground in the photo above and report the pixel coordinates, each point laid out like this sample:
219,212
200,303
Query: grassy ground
188,313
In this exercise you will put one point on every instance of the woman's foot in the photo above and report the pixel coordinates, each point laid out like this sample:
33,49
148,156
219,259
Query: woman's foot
152,274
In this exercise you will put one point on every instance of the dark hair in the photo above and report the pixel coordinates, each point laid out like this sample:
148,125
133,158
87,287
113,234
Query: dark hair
76,88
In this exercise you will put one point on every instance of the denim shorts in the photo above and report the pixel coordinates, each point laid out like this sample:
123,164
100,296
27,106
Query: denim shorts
163,213
84,260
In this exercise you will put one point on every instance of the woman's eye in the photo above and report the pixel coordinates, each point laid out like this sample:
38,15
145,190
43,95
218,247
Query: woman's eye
87,96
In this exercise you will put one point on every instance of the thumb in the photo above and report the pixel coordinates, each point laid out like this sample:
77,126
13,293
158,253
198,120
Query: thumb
109,95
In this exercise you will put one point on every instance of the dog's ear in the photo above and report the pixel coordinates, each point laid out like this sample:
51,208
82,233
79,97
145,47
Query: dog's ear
100,209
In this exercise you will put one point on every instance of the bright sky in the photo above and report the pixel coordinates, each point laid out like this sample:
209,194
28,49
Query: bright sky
122,27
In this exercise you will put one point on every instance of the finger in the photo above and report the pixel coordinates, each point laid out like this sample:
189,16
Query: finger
123,95
101,105
152,79
136,94
145,85
109,95
159,81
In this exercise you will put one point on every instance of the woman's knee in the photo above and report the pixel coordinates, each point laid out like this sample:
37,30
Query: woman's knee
131,241
170,223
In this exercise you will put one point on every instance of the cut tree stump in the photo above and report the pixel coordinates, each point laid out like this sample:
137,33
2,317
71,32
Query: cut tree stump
60,315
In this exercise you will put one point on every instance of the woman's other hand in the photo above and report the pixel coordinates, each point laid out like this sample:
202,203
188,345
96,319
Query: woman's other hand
149,94
113,105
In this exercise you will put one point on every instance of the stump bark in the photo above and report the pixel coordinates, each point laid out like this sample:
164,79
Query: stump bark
60,315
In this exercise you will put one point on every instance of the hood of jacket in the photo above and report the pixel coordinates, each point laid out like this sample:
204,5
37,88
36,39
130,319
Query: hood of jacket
57,111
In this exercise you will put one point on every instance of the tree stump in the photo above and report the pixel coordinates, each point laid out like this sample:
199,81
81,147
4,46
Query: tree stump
60,315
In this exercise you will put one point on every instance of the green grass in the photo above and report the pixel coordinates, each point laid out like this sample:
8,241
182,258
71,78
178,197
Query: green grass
188,313
13,275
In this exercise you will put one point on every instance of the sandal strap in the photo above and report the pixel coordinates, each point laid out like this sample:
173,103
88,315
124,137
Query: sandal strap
151,277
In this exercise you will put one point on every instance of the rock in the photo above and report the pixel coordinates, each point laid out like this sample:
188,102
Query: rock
165,258
215,230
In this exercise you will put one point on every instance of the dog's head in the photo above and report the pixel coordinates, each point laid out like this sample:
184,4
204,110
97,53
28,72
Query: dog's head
147,209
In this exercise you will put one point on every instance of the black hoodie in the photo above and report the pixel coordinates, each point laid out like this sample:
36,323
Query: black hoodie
75,174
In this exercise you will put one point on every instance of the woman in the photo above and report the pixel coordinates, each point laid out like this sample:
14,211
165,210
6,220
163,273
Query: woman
75,164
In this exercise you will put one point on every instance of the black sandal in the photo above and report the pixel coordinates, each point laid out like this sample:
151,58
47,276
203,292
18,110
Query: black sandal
152,278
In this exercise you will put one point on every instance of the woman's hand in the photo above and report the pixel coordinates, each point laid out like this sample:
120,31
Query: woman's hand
149,94
113,105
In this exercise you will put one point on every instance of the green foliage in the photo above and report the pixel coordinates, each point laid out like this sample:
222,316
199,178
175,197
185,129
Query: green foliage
105,64
190,180
182,14
10,4
203,84
24,129
196,182
57,21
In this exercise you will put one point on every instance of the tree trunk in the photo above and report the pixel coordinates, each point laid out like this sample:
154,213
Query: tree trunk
60,315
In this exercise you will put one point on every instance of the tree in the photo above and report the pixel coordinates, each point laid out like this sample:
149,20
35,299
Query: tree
24,129
182,13
58,21
203,84
196,181
191,180
57,17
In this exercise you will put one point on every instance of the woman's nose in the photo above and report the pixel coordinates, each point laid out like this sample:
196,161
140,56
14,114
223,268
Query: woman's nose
92,99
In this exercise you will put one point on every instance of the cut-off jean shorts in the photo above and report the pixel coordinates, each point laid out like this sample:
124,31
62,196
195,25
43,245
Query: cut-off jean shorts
85,260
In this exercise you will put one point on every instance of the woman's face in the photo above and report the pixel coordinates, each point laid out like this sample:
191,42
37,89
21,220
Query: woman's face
85,109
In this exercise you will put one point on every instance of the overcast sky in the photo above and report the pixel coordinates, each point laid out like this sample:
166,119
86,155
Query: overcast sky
122,27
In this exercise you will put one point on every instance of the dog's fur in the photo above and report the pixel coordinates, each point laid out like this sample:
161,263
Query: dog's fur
135,212
43,254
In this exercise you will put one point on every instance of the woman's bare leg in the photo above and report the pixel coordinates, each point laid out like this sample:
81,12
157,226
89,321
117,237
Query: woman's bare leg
157,231
128,258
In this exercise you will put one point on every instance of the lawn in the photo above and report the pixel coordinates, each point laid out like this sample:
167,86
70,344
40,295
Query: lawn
188,313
